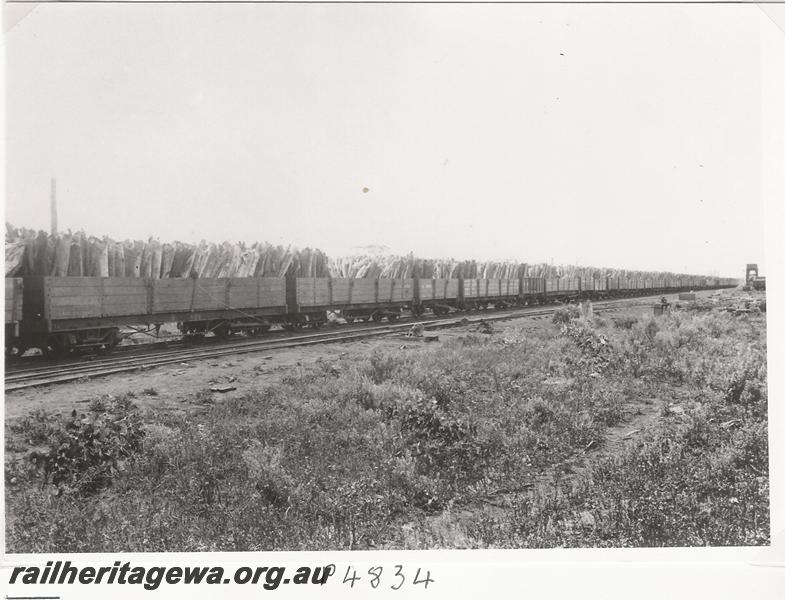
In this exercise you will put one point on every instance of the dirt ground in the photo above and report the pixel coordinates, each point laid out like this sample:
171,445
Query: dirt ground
186,386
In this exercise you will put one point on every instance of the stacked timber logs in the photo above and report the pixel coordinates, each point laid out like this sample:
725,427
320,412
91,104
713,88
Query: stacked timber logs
397,267
76,254
548,270
390,267
28,252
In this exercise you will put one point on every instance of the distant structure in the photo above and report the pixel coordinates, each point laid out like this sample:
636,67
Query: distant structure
53,207
752,272
753,281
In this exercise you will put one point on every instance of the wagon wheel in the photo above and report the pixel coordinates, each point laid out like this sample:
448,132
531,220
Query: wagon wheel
377,316
15,351
49,350
54,347
393,317
113,337
255,331
110,340
349,318
316,324
223,331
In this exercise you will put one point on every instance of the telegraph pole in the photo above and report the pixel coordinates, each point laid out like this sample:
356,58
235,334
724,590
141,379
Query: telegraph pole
53,207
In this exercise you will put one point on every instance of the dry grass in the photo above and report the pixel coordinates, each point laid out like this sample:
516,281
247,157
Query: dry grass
386,452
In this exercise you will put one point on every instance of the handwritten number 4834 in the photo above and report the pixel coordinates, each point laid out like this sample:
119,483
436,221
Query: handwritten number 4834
375,574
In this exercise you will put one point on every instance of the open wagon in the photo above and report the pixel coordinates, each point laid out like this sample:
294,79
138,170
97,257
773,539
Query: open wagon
67,313
437,294
312,298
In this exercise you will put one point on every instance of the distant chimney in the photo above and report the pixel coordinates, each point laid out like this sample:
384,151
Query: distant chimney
53,207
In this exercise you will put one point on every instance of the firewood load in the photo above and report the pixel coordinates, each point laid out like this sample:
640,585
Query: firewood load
30,253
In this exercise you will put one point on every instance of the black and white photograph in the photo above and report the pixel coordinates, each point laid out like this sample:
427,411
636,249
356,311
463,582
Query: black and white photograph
357,279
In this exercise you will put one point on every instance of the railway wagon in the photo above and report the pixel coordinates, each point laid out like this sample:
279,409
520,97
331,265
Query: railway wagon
532,290
311,298
13,313
563,286
593,286
482,293
222,305
66,313
438,294
509,291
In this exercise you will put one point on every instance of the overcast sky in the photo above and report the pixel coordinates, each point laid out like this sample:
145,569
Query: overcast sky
624,136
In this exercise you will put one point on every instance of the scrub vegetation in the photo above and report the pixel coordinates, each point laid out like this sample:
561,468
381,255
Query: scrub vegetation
588,431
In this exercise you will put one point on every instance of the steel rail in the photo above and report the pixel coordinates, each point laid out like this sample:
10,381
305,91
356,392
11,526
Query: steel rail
35,377
92,362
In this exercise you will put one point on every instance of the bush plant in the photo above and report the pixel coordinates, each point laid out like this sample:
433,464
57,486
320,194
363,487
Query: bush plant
387,450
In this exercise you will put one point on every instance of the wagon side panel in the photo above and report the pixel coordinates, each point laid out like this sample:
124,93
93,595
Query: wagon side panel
363,291
387,290
125,296
172,295
272,292
13,299
426,289
343,292
451,289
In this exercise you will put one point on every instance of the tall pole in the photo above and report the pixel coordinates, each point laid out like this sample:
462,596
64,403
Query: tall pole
53,207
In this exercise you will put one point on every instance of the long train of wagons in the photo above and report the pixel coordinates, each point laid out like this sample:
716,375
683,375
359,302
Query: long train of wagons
60,314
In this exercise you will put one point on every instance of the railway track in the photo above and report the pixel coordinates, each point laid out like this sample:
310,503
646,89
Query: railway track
27,377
